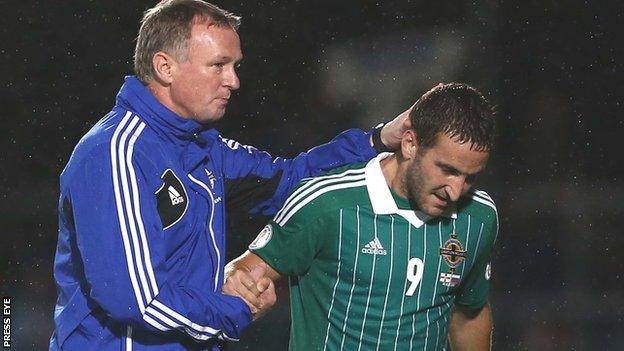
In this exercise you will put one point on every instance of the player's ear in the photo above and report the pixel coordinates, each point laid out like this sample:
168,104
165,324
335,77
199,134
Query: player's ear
164,67
409,144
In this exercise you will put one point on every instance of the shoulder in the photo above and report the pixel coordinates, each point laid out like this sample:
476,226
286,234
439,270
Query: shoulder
350,169
225,145
118,135
317,195
480,205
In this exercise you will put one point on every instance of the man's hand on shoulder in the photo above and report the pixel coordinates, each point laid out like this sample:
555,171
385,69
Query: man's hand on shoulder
392,132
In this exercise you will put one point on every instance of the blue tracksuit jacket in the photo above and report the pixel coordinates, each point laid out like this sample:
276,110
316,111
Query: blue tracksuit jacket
140,255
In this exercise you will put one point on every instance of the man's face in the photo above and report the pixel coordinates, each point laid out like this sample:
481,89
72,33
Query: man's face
437,177
202,84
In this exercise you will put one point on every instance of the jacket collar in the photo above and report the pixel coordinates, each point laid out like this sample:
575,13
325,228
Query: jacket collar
134,96
381,197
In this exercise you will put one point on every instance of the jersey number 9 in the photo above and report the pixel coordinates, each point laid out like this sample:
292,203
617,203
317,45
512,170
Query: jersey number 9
415,269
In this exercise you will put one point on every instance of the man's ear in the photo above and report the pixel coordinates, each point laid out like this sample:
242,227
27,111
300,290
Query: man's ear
164,67
409,144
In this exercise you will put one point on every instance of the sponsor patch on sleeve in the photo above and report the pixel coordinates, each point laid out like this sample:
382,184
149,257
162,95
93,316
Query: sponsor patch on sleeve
262,239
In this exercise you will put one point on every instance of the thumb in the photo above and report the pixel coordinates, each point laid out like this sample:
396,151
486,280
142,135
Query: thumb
258,271
407,124
263,284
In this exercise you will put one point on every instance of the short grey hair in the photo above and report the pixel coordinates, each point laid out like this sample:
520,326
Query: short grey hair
167,27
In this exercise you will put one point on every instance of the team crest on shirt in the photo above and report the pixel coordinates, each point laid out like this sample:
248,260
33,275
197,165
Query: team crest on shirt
263,238
453,252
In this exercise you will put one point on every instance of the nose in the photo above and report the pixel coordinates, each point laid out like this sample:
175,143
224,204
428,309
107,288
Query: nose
231,80
456,188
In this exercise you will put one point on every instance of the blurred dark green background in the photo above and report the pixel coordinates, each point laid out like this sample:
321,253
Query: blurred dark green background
314,68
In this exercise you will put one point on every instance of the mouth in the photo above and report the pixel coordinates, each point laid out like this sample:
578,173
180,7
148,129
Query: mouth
442,200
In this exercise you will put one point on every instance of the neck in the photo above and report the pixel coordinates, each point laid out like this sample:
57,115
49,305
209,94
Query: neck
393,170
162,94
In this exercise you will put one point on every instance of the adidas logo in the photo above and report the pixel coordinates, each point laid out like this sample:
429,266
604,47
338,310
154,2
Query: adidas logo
374,248
175,196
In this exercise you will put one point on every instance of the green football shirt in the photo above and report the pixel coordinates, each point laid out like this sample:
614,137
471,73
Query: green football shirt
368,273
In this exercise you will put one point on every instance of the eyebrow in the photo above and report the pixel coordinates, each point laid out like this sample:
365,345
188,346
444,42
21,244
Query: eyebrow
227,58
453,169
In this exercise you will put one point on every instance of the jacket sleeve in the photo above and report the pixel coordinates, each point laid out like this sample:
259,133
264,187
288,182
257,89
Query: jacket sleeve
122,250
259,184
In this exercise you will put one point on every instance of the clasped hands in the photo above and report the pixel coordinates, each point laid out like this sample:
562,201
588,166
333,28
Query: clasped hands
257,290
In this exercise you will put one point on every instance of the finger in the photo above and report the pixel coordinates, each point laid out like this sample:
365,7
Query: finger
255,303
247,281
263,284
240,284
234,288
258,271
268,297
407,123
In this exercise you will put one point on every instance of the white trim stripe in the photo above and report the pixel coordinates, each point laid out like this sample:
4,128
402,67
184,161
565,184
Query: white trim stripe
125,157
344,324
485,202
151,311
312,182
294,201
183,319
157,314
154,323
484,195
120,214
212,233
424,260
133,232
409,250
433,297
292,211
439,307
420,289
383,313
137,209
128,338
331,305
474,256
370,285
464,263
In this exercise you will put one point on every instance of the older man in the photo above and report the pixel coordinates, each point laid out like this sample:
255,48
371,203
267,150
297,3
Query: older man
140,256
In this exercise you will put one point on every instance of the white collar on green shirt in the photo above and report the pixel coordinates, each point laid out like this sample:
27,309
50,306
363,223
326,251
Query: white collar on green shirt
381,197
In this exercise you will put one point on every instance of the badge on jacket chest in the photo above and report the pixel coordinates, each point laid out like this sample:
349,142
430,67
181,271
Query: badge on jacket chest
172,200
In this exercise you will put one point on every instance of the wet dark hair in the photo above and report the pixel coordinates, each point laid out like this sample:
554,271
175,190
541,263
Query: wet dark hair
457,110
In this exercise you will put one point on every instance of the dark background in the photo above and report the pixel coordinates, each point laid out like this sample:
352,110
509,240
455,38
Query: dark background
313,68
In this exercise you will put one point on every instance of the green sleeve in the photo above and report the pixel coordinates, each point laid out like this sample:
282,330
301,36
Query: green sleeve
290,248
475,291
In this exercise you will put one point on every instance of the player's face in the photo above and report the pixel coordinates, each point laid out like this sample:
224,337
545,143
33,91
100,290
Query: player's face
203,84
438,176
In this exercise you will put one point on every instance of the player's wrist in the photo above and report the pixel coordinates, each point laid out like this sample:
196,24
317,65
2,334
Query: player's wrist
377,141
